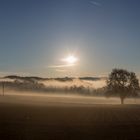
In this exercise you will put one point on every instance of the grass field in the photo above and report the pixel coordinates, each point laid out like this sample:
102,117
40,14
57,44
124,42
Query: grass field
28,117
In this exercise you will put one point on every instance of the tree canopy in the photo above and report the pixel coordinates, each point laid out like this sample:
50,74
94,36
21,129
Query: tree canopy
122,83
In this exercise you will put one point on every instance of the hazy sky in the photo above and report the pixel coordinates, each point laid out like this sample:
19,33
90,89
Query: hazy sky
36,34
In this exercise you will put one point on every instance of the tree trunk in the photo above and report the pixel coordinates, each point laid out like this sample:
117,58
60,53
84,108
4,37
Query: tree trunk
122,101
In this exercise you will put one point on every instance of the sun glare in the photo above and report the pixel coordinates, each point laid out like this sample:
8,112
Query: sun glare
70,59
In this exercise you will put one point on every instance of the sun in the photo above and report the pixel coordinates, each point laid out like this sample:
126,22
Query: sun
70,59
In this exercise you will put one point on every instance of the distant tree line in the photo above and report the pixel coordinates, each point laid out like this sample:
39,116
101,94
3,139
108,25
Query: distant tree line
32,85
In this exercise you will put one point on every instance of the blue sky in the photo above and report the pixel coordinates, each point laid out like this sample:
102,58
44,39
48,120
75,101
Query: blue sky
37,34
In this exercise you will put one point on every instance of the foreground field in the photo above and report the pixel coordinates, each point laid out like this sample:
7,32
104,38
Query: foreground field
67,118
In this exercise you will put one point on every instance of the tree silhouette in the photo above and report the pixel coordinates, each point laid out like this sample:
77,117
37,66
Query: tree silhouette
123,84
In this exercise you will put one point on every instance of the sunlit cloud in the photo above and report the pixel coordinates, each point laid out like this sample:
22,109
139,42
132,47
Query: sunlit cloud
60,70
61,66
66,64
95,3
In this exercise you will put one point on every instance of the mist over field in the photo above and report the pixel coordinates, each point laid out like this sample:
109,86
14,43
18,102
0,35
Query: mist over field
82,86
51,99
76,82
58,91
59,82
61,108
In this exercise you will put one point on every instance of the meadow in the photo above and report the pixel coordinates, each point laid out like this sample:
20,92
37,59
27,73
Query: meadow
29,116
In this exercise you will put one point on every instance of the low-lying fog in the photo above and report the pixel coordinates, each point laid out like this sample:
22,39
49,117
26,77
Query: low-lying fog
76,82
59,99
57,92
86,86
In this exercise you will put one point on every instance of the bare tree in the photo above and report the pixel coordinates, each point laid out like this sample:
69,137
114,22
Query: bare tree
123,84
